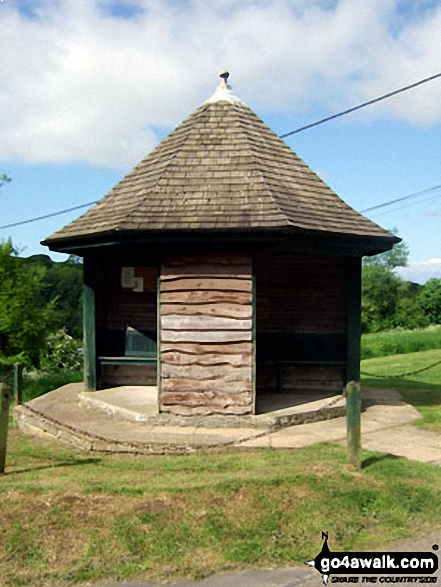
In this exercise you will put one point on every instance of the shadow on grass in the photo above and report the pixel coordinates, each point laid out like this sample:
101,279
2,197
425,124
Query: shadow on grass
73,463
426,394
373,460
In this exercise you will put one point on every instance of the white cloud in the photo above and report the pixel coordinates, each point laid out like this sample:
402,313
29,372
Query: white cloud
82,82
421,272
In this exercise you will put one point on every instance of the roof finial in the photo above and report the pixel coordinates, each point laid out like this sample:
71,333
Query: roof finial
225,75
224,91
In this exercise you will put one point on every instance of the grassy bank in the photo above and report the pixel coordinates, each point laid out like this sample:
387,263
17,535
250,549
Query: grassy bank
421,389
395,342
68,517
39,384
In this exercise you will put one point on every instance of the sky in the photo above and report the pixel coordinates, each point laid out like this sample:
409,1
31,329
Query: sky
89,87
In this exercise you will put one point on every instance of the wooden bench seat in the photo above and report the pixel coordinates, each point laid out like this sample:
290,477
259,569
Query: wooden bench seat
128,360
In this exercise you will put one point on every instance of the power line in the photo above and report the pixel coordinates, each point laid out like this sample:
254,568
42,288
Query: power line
47,215
311,125
408,205
374,101
402,199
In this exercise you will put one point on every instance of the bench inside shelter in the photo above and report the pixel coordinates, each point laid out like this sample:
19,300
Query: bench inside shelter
125,354
286,359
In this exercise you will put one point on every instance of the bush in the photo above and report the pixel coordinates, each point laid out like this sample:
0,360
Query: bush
61,354
430,300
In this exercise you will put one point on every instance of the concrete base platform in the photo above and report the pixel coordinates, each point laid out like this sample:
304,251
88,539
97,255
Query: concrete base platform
386,426
140,404
125,419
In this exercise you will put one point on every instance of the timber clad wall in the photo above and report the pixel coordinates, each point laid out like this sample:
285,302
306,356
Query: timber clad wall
206,313
301,293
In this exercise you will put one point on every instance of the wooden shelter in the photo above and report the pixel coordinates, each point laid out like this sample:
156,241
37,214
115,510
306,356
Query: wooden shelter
221,267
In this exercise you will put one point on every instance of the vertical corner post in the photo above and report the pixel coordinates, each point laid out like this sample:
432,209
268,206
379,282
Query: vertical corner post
4,421
18,383
159,338
354,320
89,327
353,423
254,337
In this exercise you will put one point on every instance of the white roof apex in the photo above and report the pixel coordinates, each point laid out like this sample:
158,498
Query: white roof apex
224,92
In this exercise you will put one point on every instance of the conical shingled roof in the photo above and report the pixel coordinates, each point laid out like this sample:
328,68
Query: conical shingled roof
222,169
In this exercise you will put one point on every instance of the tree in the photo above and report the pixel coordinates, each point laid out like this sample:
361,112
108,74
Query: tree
4,179
25,317
430,300
396,257
379,298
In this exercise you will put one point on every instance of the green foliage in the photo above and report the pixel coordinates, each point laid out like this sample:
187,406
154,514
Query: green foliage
37,297
408,312
61,353
35,384
380,289
399,341
25,317
62,284
4,179
429,299
396,257
388,302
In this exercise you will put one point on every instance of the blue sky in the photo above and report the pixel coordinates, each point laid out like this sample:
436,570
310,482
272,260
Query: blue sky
87,88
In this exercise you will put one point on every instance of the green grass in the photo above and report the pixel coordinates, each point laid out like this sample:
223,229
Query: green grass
38,385
398,341
422,390
68,517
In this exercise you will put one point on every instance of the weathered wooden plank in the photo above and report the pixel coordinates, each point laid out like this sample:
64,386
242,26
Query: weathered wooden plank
201,297
139,311
211,359
176,322
207,372
18,383
89,336
206,398
221,310
188,348
215,385
188,260
112,375
201,283
301,292
203,336
206,270
353,423
4,419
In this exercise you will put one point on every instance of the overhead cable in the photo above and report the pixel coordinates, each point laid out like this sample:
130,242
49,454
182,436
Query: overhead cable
402,199
47,215
302,128
354,108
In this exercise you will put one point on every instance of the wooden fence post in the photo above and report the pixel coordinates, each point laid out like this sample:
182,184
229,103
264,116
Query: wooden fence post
353,423
18,383
4,418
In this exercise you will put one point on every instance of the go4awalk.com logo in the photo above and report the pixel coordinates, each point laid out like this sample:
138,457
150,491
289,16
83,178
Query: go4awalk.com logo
367,564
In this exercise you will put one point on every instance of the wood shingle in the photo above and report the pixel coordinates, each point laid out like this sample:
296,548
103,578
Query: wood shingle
221,170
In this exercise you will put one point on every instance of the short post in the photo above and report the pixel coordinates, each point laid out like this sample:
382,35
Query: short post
4,418
18,383
353,423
